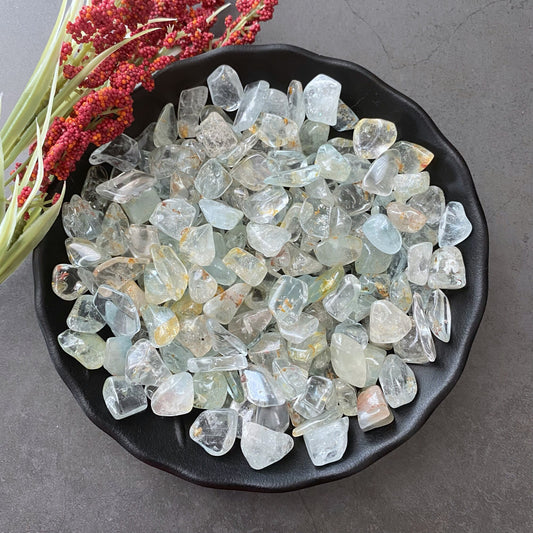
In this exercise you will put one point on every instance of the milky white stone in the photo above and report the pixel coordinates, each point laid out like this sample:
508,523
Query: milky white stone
321,99
387,322
174,396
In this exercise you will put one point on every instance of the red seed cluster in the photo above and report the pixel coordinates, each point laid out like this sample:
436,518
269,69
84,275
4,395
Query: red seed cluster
107,110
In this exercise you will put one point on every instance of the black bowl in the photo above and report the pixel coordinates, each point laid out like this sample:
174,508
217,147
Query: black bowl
163,442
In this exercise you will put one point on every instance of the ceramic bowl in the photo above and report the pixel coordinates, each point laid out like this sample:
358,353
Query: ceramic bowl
164,442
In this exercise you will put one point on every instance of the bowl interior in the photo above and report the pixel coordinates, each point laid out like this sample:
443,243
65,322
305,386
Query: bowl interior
163,442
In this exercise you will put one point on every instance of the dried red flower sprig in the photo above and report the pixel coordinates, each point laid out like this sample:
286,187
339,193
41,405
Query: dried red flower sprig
107,110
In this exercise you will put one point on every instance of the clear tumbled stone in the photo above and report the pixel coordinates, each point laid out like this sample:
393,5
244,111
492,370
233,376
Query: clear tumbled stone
298,177
248,267
144,364
224,306
262,446
225,88
112,240
170,269
174,396
122,153
84,317
346,397
277,103
447,269
95,176
252,103
325,284
194,335
260,387
197,244
346,118
162,324
341,303
80,219
291,379
422,327
372,136
331,164
276,131
387,323
202,286
123,398
266,349
210,390
321,99
454,226
372,409
407,185
431,203
118,310
313,400
172,216
87,348
66,282
116,349
397,381
414,158
327,444
216,135
166,127
297,262
400,293
380,231
249,325
295,99
380,176
215,430
118,270
287,299
84,253
126,186
418,262
223,342
300,330
220,363
439,315
219,215
267,239
325,418
212,180
405,218
348,359
339,250
190,105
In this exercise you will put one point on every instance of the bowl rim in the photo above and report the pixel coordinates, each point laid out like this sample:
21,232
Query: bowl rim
478,304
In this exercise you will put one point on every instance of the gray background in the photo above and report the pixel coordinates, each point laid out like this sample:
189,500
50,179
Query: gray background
470,467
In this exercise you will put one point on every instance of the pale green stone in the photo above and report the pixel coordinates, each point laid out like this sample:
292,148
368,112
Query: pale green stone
221,363
210,390
348,359
374,358
87,348
172,216
266,349
298,177
267,239
290,378
313,135
126,186
325,284
315,217
407,185
276,131
378,229
304,352
114,226
323,419
140,208
300,330
175,356
431,203
346,397
194,335
352,198
276,103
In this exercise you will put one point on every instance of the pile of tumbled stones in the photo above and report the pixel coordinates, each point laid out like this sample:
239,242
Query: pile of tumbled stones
259,270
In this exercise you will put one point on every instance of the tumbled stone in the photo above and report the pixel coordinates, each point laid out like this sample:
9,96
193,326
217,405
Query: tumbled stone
387,322
112,240
220,215
296,262
447,269
454,226
210,390
162,324
313,135
294,178
300,330
266,238
380,176
287,299
275,417
139,208
296,102
372,409
252,172
172,216
400,293
260,387
327,444
197,244
122,153
202,286
325,284
380,231
215,430
123,398
212,180
87,348
84,317
194,335
262,446
95,176
291,379
348,359
313,400
216,135
66,282
405,218
321,99
170,269
346,397
116,349
174,396
304,352
275,131
126,186
418,262
225,88
248,267
439,315
80,219
190,105
253,100
266,349
372,136
144,364
323,419
422,328
84,253
331,164
223,307
249,325
431,203
340,304
397,381
339,250
346,118
414,158
166,128
315,218
224,342
118,270
118,310
220,363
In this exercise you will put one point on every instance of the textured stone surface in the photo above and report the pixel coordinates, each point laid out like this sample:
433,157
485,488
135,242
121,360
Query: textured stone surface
470,104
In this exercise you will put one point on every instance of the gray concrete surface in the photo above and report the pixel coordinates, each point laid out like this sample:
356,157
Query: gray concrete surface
470,468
